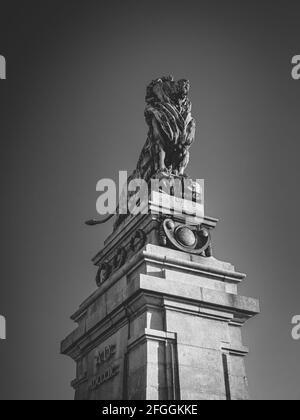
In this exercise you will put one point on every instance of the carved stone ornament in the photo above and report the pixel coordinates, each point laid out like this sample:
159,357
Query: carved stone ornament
103,273
187,238
107,268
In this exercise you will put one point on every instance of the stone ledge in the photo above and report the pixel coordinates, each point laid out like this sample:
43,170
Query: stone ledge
210,298
234,350
220,305
167,258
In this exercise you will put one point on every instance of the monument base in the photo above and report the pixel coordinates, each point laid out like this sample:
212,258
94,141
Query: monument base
164,324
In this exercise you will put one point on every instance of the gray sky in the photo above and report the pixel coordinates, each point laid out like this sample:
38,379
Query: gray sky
72,113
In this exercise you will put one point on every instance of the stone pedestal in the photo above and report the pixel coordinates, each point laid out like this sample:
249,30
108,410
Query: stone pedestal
164,324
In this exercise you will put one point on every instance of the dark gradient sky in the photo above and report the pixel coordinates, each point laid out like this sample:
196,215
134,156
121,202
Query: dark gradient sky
72,113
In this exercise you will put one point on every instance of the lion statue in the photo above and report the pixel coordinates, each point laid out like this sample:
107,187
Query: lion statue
171,129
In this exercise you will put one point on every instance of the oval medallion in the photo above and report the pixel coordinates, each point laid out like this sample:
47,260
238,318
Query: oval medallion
185,236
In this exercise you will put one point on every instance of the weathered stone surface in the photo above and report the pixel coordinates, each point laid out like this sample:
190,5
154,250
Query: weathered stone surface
208,381
196,330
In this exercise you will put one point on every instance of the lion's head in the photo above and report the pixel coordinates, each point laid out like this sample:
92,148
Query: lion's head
166,90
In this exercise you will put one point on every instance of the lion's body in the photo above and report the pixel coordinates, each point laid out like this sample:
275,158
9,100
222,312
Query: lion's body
171,129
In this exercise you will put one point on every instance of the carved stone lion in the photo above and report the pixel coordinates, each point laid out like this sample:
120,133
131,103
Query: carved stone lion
171,129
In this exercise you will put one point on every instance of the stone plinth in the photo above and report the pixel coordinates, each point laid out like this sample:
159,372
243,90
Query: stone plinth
163,323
